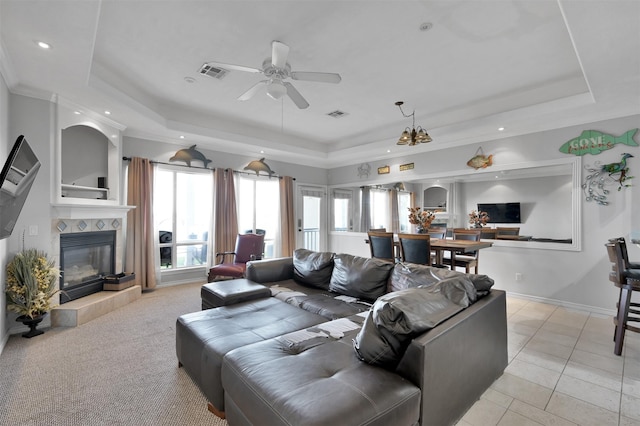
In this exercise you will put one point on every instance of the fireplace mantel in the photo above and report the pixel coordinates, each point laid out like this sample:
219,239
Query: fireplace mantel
89,211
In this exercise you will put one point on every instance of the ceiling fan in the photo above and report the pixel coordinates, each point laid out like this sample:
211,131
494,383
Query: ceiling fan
277,70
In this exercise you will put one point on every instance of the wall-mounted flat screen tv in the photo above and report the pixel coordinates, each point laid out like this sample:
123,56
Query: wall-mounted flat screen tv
17,176
501,212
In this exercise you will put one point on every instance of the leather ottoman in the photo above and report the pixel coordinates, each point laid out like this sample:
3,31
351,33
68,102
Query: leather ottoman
203,338
230,292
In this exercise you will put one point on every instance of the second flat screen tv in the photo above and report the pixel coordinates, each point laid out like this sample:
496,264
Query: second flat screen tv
501,212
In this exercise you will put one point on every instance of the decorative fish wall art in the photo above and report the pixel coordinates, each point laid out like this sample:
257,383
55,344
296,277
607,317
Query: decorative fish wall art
594,142
480,161
259,166
189,154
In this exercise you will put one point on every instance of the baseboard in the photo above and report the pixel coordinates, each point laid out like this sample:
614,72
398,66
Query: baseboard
4,341
564,304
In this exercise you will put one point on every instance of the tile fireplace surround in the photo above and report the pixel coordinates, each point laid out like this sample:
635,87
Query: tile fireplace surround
82,219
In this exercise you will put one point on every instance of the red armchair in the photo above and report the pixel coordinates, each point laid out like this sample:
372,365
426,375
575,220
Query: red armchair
248,247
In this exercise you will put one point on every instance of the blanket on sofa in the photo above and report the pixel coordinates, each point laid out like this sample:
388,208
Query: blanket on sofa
399,316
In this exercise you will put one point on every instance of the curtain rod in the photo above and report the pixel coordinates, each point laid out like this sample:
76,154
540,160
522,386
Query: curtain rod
203,168
172,164
254,174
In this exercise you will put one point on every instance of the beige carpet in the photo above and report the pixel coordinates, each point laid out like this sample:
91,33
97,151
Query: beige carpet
119,369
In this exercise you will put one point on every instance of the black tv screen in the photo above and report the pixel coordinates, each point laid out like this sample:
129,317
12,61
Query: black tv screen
501,212
17,176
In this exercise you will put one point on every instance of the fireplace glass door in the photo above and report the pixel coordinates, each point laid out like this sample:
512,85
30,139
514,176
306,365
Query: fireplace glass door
85,259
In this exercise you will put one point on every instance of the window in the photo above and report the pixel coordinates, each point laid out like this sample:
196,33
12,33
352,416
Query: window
182,216
380,215
342,210
404,202
259,210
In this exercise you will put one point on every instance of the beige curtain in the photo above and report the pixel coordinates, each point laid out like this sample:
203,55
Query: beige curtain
140,257
365,209
287,220
393,207
226,215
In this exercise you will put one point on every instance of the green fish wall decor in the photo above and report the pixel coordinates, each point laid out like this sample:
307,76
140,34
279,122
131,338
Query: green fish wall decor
594,142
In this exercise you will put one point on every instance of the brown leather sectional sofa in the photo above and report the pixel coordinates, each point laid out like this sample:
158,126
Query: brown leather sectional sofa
341,339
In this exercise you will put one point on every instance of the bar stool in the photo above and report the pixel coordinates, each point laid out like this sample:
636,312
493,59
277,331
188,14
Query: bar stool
628,281
625,255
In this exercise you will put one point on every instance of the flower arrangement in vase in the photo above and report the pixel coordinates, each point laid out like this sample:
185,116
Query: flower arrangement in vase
422,218
478,219
31,283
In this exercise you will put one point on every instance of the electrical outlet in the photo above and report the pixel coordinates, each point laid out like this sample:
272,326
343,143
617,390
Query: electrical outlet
33,229
518,276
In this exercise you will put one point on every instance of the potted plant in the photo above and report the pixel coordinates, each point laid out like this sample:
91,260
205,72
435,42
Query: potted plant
422,219
31,283
478,219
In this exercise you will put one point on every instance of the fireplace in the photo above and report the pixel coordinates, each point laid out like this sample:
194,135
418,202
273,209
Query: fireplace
85,259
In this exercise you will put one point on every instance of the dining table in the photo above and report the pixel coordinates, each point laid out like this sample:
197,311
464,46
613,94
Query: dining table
453,246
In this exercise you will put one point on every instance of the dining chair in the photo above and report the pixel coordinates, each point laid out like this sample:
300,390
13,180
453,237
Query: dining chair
415,248
382,245
468,260
488,233
438,233
628,281
248,247
507,231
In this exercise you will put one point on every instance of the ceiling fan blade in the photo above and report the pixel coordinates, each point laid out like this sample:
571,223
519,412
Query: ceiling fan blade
322,77
279,53
295,96
252,91
232,67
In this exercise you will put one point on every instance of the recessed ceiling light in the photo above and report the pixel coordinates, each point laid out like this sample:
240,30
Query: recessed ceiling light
190,79
388,150
108,112
500,129
43,45
181,136
426,26
262,151
76,112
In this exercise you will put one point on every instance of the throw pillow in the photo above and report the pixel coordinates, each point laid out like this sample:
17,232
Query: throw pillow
312,268
360,277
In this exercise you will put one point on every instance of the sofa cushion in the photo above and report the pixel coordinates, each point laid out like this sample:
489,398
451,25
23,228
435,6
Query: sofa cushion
312,268
360,277
398,317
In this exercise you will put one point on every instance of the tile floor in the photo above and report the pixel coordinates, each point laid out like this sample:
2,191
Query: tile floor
562,371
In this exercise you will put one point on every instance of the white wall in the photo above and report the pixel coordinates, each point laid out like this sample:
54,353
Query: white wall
572,278
5,145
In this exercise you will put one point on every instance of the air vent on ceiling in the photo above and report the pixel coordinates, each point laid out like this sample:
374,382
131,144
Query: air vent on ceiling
337,114
214,72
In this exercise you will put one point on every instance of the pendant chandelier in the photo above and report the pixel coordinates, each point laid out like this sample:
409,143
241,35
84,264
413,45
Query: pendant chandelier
412,136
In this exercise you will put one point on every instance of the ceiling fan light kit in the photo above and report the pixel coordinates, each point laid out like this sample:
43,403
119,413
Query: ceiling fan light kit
277,69
412,136
276,90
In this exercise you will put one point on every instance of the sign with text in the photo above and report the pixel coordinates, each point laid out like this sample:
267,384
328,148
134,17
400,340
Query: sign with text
594,142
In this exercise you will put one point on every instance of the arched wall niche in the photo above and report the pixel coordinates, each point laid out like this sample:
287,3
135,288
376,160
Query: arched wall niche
87,158
435,198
